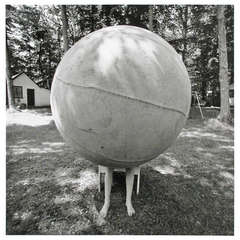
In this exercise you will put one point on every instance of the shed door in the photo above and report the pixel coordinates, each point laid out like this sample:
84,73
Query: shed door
30,97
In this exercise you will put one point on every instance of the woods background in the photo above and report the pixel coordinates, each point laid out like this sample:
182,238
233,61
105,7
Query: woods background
37,37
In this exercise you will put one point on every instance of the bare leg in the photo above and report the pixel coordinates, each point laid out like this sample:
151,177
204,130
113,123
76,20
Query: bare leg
107,189
129,188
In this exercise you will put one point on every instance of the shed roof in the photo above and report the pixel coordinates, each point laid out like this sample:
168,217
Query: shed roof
19,74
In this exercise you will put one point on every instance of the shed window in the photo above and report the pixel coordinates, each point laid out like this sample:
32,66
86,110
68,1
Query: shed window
17,92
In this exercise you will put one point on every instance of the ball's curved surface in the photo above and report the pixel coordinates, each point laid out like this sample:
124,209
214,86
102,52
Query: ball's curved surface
120,96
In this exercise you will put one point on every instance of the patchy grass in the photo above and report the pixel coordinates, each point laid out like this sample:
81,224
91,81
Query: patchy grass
52,190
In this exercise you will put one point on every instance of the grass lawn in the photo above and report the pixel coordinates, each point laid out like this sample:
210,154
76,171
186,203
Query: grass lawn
52,190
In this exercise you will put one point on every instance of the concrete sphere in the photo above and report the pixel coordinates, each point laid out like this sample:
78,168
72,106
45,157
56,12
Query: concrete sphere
120,96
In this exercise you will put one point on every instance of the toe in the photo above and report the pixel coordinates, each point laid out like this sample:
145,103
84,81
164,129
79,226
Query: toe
104,211
130,210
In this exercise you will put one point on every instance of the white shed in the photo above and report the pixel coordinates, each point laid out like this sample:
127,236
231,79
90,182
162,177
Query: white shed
28,92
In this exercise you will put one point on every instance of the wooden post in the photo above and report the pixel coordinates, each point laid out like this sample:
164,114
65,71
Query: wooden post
199,105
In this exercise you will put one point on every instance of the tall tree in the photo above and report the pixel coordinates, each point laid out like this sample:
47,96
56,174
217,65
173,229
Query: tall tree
150,17
224,115
8,69
9,81
184,18
64,27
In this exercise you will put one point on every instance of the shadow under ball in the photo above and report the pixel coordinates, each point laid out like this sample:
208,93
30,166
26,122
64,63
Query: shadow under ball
120,96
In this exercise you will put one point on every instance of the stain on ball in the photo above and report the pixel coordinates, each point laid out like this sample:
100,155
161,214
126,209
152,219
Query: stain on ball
124,88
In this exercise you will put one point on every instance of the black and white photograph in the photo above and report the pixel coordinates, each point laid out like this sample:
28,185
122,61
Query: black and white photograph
119,119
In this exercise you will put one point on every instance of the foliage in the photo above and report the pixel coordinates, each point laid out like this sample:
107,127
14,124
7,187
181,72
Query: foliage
36,40
32,48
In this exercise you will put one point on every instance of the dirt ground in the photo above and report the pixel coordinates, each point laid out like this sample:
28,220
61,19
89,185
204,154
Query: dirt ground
52,190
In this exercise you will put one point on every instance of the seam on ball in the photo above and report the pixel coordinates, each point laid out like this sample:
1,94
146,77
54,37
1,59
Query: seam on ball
124,96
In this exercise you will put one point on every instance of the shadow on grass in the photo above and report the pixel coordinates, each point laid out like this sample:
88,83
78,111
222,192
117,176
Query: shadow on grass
52,190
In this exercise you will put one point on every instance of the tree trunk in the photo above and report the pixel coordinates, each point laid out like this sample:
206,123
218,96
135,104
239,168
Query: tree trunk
9,81
150,17
93,21
184,16
203,89
108,14
64,28
39,57
224,115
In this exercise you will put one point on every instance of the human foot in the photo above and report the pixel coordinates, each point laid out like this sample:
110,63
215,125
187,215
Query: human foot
104,210
130,209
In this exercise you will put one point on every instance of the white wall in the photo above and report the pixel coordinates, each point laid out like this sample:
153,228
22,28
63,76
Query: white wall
42,95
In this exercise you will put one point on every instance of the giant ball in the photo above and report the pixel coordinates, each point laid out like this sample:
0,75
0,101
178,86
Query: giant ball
120,96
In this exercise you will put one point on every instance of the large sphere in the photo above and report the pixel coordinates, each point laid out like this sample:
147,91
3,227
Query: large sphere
120,96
